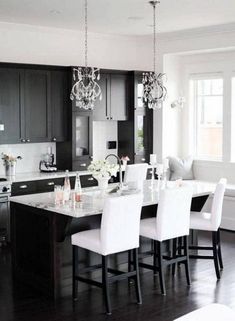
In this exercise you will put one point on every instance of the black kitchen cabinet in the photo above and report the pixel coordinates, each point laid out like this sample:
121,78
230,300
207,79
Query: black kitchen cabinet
39,186
113,105
81,140
37,106
34,103
119,97
60,104
100,111
135,136
11,107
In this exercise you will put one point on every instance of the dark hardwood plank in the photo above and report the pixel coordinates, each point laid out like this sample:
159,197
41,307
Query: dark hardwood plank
18,303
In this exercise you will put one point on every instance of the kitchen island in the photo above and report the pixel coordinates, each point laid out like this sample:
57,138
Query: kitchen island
40,231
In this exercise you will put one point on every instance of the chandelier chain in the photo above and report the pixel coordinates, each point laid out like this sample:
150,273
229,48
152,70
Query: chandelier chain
154,38
86,35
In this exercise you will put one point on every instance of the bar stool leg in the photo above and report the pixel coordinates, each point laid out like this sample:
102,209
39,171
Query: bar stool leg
75,272
219,250
174,248
161,268
215,254
105,284
155,258
187,260
137,277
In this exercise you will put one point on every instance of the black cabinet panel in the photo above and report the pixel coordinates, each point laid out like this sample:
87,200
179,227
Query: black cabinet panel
11,105
100,111
113,105
23,188
59,104
118,92
37,105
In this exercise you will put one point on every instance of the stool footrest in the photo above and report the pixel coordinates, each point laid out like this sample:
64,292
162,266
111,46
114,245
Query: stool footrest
205,257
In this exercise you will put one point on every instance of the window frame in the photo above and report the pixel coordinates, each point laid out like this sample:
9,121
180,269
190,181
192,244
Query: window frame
193,78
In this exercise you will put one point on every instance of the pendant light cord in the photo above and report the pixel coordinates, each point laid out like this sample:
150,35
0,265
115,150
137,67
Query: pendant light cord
86,35
154,37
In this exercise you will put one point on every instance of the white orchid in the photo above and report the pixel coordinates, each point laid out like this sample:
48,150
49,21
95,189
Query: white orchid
102,168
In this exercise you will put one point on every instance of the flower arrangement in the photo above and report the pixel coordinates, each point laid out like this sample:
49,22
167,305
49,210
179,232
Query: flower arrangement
9,159
102,169
125,158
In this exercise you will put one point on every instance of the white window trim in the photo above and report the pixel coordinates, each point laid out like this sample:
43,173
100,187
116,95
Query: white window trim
202,76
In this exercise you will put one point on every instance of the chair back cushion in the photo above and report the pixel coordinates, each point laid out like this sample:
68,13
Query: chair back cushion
217,204
136,173
173,212
121,223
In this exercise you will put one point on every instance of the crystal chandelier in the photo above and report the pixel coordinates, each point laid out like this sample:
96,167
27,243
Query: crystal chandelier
154,91
86,89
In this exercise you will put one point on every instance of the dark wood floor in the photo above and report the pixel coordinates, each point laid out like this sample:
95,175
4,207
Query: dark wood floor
20,304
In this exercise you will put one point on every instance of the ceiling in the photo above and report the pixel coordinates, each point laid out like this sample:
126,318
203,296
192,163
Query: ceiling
123,17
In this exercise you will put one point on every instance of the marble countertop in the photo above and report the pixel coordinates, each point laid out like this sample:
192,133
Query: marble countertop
34,176
93,200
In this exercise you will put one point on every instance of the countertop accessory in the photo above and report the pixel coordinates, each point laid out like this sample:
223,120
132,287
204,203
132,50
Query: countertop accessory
154,91
86,90
9,162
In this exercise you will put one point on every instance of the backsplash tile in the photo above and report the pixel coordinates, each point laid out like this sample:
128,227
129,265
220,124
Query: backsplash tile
104,131
31,154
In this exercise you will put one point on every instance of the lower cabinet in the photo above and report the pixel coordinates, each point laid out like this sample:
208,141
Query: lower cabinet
47,185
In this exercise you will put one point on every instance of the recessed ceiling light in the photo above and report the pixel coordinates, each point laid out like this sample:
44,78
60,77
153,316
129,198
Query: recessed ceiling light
55,11
135,18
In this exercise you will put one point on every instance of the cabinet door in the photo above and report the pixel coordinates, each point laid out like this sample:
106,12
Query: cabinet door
37,105
11,106
101,111
59,105
118,93
82,134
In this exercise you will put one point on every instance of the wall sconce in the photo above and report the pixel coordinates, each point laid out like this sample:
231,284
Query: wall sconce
1,127
178,103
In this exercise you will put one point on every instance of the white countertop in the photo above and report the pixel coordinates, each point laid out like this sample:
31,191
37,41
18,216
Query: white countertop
34,176
93,200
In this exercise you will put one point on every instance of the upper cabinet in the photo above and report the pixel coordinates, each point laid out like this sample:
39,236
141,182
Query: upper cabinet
37,106
33,105
60,105
113,105
11,107
135,137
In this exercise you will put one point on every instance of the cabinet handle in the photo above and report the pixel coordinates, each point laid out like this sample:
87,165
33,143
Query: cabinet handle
111,117
28,140
83,165
23,140
107,118
50,183
23,186
90,179
143,159
54,139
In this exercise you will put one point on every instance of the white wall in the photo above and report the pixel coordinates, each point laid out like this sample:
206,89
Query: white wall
224,63
203,40
31,154
54,46
172,144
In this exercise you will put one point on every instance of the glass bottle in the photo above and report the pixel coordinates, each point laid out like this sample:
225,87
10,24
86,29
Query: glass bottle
67,186
78,188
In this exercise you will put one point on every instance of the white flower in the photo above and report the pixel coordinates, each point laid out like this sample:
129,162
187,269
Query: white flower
102,168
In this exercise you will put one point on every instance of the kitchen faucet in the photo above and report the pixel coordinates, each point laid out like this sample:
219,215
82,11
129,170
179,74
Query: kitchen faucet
120,168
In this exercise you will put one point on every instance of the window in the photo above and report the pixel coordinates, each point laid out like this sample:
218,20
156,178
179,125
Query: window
207,98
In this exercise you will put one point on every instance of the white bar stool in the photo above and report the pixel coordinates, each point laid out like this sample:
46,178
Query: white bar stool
136,173
171,222
119,232
215,312
211,222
